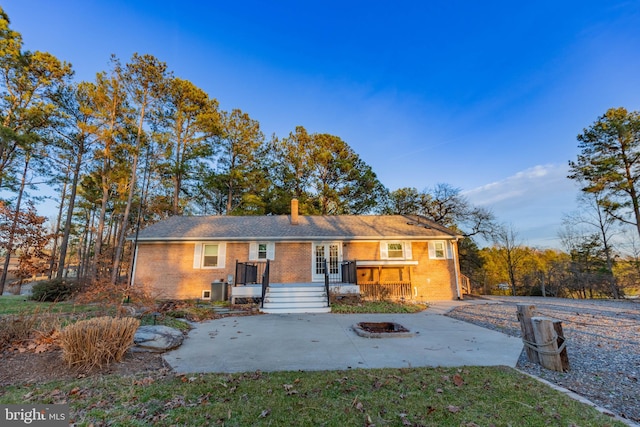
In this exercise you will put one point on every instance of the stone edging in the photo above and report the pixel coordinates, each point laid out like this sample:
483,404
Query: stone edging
581,399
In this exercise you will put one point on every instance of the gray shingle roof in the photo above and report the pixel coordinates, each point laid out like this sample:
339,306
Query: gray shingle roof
279,228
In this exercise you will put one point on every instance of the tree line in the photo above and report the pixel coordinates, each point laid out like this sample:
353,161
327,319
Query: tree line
601,253
139,144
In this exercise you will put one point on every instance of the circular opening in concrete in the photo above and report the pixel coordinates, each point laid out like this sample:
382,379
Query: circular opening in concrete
381,330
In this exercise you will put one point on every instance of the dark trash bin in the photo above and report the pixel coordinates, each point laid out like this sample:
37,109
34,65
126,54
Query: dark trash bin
219,291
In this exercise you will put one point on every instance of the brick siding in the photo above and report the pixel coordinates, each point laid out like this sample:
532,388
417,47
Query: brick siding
166,269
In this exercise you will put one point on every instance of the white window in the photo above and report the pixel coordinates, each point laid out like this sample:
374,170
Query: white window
397,250
394,250
440,250
262,251
209,255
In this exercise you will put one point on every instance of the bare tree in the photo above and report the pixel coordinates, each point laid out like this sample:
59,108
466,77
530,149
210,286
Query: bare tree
599,221
511,251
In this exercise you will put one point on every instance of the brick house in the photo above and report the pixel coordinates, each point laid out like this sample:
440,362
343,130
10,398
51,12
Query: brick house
391,256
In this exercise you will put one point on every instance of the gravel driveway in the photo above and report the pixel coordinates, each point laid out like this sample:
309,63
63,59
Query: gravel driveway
603,344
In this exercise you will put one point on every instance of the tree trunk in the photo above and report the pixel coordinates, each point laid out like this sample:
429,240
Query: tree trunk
85,248
177,177
57,231
67,225
100,231
14,226
127,210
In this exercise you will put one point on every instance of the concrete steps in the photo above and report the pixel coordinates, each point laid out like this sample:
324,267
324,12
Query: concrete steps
301,298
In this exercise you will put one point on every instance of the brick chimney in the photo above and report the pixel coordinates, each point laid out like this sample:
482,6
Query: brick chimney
294,211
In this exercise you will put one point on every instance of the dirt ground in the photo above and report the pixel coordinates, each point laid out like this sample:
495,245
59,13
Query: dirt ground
37,368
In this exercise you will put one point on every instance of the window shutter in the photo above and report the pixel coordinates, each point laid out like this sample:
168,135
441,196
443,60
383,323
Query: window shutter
253,251
221,255
407,250
271,251
384,250
197,255
432,250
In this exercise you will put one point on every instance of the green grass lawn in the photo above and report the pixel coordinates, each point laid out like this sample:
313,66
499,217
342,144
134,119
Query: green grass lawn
471,396
349,307
20,304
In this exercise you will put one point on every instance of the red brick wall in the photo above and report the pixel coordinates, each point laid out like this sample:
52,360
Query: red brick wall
434,278
292,263
431,279
166,270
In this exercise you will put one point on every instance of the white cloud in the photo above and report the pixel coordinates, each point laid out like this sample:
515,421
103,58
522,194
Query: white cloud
533,200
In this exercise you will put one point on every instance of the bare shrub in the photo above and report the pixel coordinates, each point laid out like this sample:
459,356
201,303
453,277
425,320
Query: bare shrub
92,343
24,326
115,296
351,299
16,328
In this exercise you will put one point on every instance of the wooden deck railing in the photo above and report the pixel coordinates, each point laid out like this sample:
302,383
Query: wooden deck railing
386,290
465,284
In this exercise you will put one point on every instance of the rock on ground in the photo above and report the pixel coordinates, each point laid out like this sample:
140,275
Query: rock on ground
157,338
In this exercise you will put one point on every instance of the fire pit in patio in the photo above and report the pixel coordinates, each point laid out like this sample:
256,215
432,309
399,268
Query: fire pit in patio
381,330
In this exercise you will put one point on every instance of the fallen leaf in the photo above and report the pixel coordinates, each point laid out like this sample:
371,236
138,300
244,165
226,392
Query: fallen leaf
41,348
264,413
405,421
453,409
457,380
439,390
368,422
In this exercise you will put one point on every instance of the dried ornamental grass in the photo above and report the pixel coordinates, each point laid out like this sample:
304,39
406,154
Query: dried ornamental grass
98,341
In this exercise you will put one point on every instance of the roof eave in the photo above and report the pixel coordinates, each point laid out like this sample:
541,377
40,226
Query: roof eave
291,238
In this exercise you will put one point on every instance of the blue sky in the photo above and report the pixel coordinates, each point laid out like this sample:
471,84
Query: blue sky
485,96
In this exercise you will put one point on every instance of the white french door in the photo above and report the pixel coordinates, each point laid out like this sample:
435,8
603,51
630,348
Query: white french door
332,252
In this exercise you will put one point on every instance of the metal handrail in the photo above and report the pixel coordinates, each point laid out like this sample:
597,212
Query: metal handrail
248,272
265,283
326,281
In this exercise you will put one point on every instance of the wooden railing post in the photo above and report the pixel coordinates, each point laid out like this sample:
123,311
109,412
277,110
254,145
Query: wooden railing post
550,344
525,313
